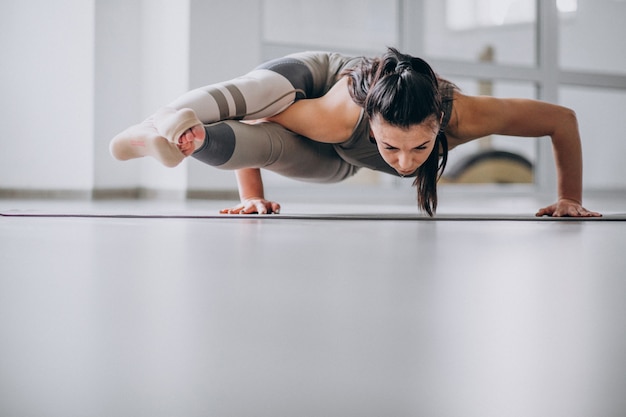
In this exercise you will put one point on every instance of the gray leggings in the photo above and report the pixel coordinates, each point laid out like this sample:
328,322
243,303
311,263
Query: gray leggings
266,91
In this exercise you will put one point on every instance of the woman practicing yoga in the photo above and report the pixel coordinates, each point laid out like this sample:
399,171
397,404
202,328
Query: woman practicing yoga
320,117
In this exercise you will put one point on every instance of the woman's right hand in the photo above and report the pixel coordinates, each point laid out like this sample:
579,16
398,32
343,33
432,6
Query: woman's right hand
254,205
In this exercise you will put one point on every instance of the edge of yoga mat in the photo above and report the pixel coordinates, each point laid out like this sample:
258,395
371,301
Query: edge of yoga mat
316,216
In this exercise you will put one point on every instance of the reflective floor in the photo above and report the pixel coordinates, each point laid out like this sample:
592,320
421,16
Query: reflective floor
258,317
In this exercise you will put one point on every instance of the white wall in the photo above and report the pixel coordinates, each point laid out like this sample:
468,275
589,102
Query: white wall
47,97
76,72
165,76
118,87
142,55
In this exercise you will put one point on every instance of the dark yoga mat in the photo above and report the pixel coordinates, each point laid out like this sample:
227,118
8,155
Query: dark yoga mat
193,214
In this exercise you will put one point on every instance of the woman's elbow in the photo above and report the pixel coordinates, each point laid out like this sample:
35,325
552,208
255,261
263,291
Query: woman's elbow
565,124
567,116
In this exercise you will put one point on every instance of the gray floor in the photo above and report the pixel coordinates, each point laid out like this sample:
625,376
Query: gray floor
304,317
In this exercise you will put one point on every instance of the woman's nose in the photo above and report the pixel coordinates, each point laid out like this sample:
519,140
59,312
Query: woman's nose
405,162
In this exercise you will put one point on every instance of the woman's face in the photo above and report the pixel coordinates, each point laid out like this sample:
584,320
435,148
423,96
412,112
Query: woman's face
404,149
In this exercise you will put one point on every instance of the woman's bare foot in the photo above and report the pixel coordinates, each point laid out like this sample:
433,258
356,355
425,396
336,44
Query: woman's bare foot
191,139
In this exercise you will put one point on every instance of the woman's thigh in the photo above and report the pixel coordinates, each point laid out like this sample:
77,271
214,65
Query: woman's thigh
236,145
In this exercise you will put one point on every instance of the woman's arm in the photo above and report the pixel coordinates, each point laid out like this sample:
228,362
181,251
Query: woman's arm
481,116
251,193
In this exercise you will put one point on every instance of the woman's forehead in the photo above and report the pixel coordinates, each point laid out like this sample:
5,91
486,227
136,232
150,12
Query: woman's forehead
427,127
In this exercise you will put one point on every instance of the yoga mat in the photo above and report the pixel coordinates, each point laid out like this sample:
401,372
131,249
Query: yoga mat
193,214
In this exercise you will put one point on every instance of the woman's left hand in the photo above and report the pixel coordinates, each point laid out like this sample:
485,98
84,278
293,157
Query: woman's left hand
566,208
254,205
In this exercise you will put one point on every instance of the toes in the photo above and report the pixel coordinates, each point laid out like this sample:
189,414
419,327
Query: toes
197,132
186,148
184,138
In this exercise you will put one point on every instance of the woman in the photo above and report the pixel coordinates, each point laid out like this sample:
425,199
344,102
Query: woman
391,114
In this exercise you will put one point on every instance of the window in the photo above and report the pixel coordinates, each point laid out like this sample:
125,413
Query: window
472,14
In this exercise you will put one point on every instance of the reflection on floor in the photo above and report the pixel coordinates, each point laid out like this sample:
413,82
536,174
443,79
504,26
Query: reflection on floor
250,317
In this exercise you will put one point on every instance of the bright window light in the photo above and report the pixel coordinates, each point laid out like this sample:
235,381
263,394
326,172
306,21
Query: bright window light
472,14
567,6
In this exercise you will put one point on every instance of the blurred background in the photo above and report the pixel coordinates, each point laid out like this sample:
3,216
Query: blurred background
204,317
76,72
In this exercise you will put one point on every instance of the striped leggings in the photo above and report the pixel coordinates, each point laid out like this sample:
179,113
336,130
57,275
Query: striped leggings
267,90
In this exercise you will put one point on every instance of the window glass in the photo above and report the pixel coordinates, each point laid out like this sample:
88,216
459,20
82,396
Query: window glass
464,29
368,25
601,121
592,38
472,14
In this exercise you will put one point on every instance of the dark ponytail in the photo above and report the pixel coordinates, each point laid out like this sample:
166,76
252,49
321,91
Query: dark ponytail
404,91
429,173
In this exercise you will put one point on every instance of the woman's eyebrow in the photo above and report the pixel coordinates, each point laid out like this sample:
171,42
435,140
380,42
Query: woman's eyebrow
392,146
386,144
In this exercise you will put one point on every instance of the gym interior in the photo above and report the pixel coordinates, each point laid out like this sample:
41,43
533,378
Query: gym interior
124,292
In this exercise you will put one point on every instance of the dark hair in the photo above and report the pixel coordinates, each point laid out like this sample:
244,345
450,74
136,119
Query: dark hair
404,91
